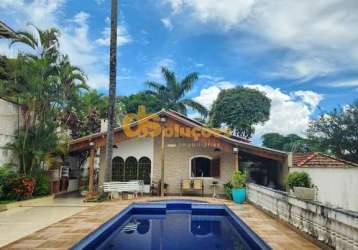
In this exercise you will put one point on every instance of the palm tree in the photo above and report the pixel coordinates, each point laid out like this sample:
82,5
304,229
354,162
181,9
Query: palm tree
44,43
172,94
112,89
6,31
70,79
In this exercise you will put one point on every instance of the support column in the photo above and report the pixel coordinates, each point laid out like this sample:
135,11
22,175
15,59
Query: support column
91,169
236,158
162,154
162,157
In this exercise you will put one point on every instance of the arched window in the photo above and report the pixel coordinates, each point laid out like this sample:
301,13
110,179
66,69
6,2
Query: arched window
117,169
131,169
205,167
144,166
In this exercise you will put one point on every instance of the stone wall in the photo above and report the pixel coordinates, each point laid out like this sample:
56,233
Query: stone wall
335,227
178,152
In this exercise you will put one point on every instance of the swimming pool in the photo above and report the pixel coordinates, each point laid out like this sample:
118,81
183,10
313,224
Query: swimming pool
173,225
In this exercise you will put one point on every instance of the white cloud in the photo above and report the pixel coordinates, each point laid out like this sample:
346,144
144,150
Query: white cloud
211,78
155,73
38,12
122,36
290,113
208,95
309,97
98,80
225,11
343,83
304,69
167,23
316,36
6,50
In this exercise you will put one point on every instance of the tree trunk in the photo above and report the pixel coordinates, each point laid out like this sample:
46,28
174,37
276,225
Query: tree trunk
112,90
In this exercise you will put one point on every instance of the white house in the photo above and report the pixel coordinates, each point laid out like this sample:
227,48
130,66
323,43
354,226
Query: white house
335,179
10,122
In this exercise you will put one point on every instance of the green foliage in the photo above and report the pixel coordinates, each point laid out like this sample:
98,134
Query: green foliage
6,172
240,109
39,145
48,87
132,102
238,179
18,188
338,130
298,179
171,95
292,143
14,186
228,189
42,183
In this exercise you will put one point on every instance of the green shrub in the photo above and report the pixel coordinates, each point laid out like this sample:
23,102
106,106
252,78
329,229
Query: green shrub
299,179
6,172
42,184
227,189
18,188
238,179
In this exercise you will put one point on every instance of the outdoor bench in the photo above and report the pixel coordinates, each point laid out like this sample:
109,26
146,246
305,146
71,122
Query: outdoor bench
135,187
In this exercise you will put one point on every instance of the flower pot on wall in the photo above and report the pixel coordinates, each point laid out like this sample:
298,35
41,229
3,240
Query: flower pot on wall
304,193
239,195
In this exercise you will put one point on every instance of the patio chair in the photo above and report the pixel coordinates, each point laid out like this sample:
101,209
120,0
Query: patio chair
185,186
198,185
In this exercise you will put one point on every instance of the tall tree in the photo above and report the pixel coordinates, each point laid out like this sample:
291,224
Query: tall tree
292,143
112,89
132,102
338,130
172,94
240,109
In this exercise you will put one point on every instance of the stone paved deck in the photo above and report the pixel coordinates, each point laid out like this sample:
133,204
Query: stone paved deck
65,233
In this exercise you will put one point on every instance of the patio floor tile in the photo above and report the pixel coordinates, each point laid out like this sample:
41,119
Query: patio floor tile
67,232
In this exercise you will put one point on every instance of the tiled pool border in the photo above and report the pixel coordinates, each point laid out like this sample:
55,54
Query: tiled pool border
94,239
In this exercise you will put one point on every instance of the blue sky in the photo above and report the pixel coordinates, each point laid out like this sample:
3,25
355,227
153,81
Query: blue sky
302,54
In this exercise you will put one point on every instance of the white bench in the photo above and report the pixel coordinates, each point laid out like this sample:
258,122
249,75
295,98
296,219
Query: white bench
135,187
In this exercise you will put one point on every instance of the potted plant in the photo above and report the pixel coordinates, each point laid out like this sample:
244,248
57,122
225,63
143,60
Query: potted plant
300,183
238,187
228,190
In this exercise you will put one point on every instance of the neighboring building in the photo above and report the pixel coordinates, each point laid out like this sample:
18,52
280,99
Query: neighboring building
213,156
11,121
335,179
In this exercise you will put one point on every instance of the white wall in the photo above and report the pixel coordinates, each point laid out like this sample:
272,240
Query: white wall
138,148
8,127
337,187
335,227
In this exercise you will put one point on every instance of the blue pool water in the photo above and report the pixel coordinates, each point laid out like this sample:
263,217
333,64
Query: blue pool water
174,225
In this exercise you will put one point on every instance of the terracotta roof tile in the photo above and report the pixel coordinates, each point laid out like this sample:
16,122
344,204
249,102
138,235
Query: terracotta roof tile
319,160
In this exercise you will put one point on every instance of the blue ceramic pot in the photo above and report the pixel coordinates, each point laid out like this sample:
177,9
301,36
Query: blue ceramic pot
239,195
